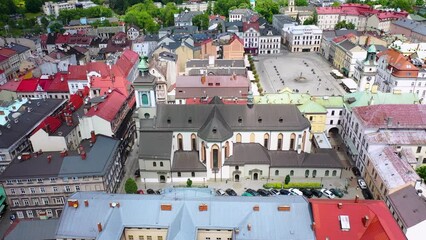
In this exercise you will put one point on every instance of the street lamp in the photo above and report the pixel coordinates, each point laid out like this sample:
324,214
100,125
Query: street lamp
144,180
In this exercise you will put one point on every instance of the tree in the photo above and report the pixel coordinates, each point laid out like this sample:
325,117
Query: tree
406,5
287,179
267,8
201,21
167,14
301,3
422,172
188,182
56,27
33,6
222,7
336,4
130,186
344,24
420,3
309,21
209,8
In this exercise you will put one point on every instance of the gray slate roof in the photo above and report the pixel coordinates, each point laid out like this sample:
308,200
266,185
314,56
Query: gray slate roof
258,117
184,219
215,128
187,161
254,153
34,229
347,45
155,145
410,207
217,63
27,121
19,48
98,158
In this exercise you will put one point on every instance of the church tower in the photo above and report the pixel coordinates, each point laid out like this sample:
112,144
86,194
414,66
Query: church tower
365,70
291,6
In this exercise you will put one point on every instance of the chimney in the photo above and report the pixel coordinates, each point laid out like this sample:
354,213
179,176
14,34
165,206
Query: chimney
256,208
366,221
314,226
356,199
83,155
283,208
166,207
202,207
64,153
92,137
68,119
86,203
249,227
49,158
340,205
99,227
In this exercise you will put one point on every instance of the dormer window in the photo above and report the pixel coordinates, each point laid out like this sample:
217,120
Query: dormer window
190,120
214,130
169,120
259,119
240,120
280,120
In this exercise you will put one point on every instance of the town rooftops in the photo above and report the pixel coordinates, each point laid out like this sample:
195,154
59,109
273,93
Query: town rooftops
410,207
22,122
393,167
37,229
392,116
237,117
7,52
19,48
225,63
358,99
109,106
397,137
98,158
183,214
248,25
187,161
354,219
395,59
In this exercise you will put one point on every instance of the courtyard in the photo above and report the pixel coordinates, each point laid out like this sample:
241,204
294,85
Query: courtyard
301,72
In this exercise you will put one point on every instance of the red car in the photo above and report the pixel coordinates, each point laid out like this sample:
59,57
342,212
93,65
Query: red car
140,191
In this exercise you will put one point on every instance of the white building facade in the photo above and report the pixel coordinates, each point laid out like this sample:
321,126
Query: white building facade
303,38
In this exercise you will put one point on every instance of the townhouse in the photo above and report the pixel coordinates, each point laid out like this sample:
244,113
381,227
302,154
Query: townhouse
303,38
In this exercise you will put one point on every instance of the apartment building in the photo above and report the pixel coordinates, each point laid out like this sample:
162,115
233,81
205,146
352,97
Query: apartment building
53,8
269,41
414,31
303,38
243,15
346,55
251,33
186,214
9,62
38,184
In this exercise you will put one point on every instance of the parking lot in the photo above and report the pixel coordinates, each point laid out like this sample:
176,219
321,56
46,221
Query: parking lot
302,72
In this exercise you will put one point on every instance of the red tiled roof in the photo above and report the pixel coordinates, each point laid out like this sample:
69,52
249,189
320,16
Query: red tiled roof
10,86
62,38
7,52
99,67
381,224
248,25
344,37
76,100
59,83
3,58
28,85
110,107
44,84
235,37
77,72
1,71
376,116
126,61
80,39
360,9
397,60
50,124
110,82
211,17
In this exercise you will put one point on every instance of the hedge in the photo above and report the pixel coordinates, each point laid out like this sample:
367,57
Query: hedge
279,185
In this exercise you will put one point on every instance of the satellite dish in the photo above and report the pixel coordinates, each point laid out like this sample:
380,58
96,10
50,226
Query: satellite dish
213,27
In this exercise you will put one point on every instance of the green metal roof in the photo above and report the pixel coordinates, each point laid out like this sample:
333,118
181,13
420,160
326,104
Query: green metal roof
143,65
371,49
359,99
329,101
311,107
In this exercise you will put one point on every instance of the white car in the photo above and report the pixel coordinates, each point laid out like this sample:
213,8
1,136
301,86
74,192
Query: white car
362,183
220,192
327,193
295,191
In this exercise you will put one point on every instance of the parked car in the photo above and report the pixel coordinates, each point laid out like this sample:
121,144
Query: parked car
137,173
158,192
362,184
252,192
367,194
356,171
150,191
246,194
140,191
337,192
274,191
220,192
327,193
295,191
263,192
317,193
231,192
307,193
285,192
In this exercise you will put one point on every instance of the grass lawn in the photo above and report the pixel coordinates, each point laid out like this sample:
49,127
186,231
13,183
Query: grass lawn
29,15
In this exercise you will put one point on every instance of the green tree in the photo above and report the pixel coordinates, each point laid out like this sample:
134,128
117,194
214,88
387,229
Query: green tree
167,14
406,5
130,186
336,4
56,27
301,2
201,21
420,3
422,172
209,8
344,24
44,22
267,8
309,21
287,179
188,182
33,6
222,7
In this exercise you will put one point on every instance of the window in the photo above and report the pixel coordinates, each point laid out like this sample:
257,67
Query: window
141,238
192,174
39,180
148,238
327,173
280,142
161,164
42,190
49,212
238,138
252,138
55,189
179,174
159,238
23,190
334,173
292,141
35,202
12,191
292,173
32,190
75,178
20,214
30,214
15,202
226,149
52,179
154,164
193,142
65,179
277,172
77,188
67,188
332,113
19,181
265,140
419,149
131,237
45,201
180,141
8,182
26,202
